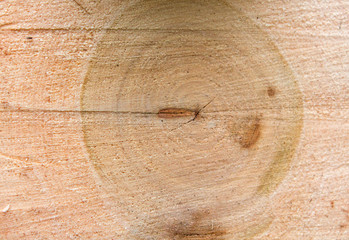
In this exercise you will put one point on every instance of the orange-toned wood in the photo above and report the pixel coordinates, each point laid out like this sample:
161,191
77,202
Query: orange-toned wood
174,119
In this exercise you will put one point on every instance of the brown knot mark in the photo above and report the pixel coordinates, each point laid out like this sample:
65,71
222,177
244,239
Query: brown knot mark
271,91
249,132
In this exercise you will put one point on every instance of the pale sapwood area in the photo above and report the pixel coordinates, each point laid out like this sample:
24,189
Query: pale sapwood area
165,119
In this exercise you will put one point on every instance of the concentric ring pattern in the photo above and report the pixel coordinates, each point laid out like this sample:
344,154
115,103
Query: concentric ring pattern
200,175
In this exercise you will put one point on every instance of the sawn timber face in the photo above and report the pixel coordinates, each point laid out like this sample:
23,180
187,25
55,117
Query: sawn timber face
191,118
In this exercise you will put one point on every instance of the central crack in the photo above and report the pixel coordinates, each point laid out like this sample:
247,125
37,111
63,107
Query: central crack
181,112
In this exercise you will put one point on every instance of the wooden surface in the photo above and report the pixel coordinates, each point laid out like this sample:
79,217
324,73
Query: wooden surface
174,119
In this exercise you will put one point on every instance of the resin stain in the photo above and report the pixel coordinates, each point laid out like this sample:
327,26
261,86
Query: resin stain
249,132
175,113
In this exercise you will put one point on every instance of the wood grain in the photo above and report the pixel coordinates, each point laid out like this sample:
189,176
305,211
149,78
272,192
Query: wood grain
163,56
256,146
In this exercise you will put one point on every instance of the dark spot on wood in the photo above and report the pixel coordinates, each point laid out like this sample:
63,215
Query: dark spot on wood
332,204
29,38
346,224
175,113
249,132
198,226
271,91
6,52
4,105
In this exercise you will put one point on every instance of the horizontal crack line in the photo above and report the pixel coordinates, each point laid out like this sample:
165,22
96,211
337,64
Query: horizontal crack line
71,111
120,29
129,112
174,30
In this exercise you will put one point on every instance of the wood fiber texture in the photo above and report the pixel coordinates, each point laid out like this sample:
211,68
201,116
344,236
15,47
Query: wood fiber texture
174,119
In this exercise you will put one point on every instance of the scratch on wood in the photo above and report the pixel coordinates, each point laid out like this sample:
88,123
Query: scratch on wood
200,110
17,159
196,114
6,208
82,7
7,24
